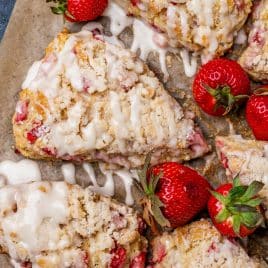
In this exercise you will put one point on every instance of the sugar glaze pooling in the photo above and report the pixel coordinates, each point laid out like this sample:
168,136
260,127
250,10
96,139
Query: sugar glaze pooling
108,189
68,172
26,171
23,171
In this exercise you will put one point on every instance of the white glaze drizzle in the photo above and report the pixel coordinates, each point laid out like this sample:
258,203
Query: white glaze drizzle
68,172
145,38
23,171
36,203
127,180
15,263
118,18
189,63
109,184
231,127
125,175
108,188
241,37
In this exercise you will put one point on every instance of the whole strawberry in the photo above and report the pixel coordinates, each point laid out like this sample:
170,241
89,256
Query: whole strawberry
257,113
219,86
174,193
79,10
234,208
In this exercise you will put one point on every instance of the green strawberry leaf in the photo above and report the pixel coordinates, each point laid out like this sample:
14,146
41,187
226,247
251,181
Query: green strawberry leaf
243,208
156,200
219,197
157,213
57,10
155,181
143,172
150,184
138,186
237,192
252,190
222,215
236,224
250,219
236,182
251,202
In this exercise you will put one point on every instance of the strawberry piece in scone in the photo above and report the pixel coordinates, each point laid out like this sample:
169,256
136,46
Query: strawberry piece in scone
198,244
88,100
255,58
54,224
205,27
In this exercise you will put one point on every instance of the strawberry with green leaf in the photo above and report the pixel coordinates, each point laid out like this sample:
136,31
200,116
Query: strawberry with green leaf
235,208
79,10
257,113
219,86
172,194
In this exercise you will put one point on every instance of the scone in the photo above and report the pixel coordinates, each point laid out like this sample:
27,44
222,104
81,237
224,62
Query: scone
247,159
255,58
89,100
53,224
203,26
199,244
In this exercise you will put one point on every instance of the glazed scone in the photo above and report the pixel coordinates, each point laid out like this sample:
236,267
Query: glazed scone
205,26
89,100
247,159
255,58
199,245
53,224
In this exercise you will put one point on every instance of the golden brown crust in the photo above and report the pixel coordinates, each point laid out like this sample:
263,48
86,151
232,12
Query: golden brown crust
89,100
185,25
199,244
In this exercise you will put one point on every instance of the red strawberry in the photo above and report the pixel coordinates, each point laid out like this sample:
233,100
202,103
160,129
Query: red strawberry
36,132
21,111
50,151
219,85
138,261
118,257
79,10
85,257
159,253
135,2
257,113
141,226
26,264
175,193
234,208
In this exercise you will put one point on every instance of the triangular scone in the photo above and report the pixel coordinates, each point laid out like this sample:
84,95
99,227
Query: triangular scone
247,159
90,100
199,244
53,224
255,58
203,26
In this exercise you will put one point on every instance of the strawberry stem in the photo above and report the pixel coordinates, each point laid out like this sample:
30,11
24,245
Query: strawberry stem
60,6
241,203
224,97
150,201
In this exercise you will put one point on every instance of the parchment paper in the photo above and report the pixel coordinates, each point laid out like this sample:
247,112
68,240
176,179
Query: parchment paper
32,26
